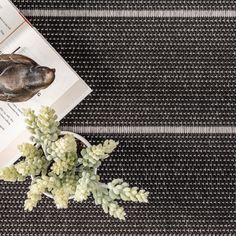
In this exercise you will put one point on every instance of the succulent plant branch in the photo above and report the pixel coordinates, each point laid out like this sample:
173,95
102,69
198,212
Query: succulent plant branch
56,168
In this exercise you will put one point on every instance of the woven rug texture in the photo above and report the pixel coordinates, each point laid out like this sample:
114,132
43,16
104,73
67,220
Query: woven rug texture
163,79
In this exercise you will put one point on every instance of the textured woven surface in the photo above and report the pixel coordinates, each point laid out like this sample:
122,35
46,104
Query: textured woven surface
128,4
146,72
172,71
191,180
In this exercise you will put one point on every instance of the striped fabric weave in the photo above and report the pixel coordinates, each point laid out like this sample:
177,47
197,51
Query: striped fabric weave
163,80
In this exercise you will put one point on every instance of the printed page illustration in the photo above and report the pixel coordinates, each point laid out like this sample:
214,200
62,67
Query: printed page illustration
47,79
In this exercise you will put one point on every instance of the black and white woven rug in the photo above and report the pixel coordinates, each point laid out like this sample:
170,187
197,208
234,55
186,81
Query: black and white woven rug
163,76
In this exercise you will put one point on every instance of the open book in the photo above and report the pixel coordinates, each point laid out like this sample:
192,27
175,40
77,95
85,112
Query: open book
63,93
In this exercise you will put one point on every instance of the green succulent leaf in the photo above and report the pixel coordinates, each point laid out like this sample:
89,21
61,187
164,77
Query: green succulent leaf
92,156
56,168
11,174
118,189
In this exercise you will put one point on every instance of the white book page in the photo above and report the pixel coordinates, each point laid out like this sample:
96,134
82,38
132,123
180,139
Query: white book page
10,20
67,90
